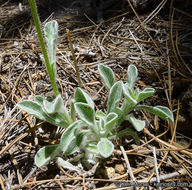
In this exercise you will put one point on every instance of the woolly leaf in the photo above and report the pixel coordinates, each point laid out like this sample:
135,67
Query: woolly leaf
105,147
106,75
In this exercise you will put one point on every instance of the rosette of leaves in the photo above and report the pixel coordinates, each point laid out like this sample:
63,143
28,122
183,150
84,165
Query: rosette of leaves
132,97
95,138
91,136
95,142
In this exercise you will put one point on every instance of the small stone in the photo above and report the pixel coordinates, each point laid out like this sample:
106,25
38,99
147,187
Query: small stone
119,169
15,43
110,172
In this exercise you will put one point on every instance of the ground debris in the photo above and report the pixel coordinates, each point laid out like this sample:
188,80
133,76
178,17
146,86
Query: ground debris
159,47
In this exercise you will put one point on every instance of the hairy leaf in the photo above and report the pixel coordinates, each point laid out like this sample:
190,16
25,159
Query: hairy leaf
51,35
115,95
137,124
72,147
126,131
86,113
110,121
73,110
68,136
83,97
160,111
99,115
106,75
46,154
101,124
80,136
132,74
39,99
120,114
35,109
67,165
128,94
105,147
147,92
92,148
38,111
57,106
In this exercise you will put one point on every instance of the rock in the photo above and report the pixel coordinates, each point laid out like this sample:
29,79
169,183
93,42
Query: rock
119,168
184,125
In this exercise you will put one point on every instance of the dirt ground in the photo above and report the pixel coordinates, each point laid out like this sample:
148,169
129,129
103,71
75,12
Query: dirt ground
157,39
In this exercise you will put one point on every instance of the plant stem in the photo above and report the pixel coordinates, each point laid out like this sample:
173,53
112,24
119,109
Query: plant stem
42,43
127,107
74,58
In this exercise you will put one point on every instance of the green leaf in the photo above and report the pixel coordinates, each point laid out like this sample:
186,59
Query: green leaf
67,165
86,113
161,111
100,115
72,147
80,136
101,124
115,95
35,109
120,114
59,120
51,35
49,107
105,147
92,148
147,92
128,94
126,131
83,97
68,137
32,108
73,110
39,100
110,121
137,124
54,106
57,106
132,74
46,154
106,75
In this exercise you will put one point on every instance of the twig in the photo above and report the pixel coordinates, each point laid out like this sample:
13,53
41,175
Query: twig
139,147
128,165
1,182
167,176
155,166
182,164
74,58
136,42
8,146
84,186
150,177
165,143
154,12
59,182
144,27
15,163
